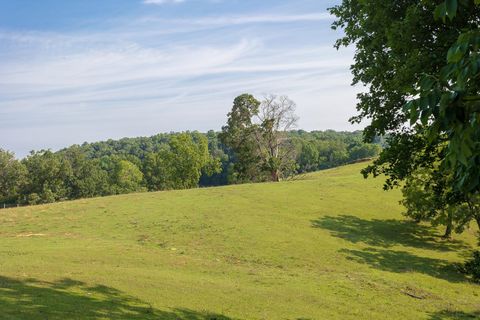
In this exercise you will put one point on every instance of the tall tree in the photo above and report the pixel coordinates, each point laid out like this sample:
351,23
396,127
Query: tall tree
257,132
275,119
239,135
420,62
12,177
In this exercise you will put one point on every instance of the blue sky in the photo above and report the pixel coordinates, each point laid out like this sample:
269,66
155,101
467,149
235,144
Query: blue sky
89,70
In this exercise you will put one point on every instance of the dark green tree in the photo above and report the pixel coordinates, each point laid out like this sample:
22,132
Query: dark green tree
308,157
239,136
429,195
87,179
363,151
155,171
12,177
419,61
48,177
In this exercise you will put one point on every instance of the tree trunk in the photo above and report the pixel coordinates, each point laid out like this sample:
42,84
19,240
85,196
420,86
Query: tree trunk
275,176
448,231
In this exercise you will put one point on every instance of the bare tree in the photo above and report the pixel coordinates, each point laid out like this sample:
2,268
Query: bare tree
275,118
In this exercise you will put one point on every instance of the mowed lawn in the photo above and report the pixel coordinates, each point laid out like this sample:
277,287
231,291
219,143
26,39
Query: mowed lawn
329,246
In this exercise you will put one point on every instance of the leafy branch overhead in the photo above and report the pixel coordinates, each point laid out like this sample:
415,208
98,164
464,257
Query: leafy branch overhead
448,101
420,61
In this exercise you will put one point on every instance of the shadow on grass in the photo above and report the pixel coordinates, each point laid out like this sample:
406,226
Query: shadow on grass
71,299
401,262
381,235
386,233
454,315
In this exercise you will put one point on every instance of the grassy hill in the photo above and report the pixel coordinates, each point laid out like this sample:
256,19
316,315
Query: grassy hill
330,246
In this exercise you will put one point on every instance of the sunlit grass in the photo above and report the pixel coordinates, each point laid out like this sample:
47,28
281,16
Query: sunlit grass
330,246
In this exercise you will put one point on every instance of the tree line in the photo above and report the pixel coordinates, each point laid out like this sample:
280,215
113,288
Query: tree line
246,150
73,173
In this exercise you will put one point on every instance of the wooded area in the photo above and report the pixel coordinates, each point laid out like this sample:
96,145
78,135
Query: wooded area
161,162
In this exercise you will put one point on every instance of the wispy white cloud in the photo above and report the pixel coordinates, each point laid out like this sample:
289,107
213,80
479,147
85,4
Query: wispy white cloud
246,19
125,63
160,2
144,77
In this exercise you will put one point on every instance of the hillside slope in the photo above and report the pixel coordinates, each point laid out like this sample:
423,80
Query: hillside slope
330,246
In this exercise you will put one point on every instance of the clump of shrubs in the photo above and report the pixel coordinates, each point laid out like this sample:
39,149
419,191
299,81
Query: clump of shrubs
472,267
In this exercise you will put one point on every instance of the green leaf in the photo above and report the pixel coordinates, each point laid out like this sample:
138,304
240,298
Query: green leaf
455,54
413,115
451,7
424,117
440,12
426,83
462,159
465,149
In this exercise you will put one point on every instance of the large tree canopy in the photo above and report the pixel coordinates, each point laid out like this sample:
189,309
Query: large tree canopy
419,62
257,132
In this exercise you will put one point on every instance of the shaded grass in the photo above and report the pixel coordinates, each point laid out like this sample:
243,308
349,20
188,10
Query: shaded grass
405,262
262,251
71,299
455,315
387,233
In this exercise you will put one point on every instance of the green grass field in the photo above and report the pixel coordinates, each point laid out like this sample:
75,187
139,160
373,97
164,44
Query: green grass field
329,246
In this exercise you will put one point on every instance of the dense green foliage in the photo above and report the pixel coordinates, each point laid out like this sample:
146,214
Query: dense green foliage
420,61
472,267
126,177
447,106
423,69
242,252
420,67
161,162
12,176
239,136
181,164
48,177
430,196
